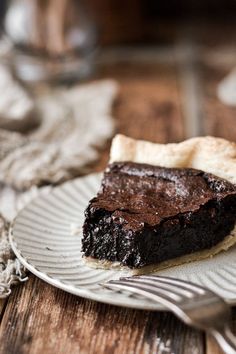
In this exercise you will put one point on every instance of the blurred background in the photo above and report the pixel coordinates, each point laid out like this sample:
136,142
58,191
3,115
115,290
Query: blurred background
170,68
151,21
156,22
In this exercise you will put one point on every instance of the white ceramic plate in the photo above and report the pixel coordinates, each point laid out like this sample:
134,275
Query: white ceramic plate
41,238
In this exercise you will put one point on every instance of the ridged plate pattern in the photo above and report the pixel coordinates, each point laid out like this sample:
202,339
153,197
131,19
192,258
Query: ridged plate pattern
42,239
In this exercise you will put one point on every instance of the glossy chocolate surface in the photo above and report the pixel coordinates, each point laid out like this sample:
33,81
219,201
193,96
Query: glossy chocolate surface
145,214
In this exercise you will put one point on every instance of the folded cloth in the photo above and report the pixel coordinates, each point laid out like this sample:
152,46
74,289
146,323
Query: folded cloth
11,271
69,125
73,123
11,201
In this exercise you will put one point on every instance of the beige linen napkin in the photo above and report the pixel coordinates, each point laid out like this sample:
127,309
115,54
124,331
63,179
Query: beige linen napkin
11,271
48,140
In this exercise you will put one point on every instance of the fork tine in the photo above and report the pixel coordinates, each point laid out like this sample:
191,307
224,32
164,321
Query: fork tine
205,314
155,295
176,289
185,285
149,289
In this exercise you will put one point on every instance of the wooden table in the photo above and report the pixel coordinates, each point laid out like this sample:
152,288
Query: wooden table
165,95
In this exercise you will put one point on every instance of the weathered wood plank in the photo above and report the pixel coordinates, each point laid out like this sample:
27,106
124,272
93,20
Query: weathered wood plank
149,105
2,307
51,321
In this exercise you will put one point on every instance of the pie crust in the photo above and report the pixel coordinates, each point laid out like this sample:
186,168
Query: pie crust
209,154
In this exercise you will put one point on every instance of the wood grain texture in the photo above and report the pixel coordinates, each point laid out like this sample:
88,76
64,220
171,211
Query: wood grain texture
2,307
148,105
42,319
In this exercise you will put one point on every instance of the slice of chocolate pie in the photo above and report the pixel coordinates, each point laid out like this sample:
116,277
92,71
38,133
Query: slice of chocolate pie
147,215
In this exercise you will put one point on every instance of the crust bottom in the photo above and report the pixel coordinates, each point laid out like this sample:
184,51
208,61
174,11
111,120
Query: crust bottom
224,245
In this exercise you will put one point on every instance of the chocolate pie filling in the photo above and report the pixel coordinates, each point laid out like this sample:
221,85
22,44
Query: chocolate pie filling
145,214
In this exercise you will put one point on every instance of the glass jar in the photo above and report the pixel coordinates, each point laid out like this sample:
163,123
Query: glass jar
51,39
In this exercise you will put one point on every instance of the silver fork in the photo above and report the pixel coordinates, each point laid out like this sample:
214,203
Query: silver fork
195,305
